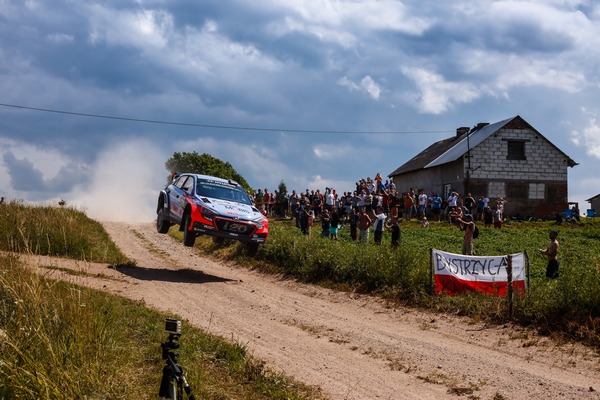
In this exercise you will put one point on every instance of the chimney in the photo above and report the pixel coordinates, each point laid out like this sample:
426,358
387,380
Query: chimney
462,130
479,126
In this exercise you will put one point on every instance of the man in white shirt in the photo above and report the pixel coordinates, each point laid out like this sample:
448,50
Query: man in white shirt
422,203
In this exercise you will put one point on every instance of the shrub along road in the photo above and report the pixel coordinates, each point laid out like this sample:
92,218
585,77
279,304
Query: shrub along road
351,346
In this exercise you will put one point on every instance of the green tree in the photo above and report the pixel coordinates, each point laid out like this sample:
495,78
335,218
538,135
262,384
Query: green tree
204,164
282,189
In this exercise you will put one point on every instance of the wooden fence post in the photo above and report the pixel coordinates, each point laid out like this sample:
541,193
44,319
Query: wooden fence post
431,290
510,286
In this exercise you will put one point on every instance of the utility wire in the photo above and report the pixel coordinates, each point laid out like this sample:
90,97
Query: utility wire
196,125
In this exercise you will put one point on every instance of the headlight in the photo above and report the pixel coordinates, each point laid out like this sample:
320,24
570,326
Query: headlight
207,213
259,222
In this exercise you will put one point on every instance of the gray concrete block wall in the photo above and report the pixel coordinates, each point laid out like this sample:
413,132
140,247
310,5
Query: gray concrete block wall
543,161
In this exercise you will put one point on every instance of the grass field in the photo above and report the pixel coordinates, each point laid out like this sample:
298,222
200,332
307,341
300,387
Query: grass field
569,305
61,341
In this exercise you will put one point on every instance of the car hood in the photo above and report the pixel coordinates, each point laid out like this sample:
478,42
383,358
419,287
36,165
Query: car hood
231,209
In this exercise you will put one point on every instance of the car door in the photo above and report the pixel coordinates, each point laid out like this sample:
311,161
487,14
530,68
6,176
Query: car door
178,195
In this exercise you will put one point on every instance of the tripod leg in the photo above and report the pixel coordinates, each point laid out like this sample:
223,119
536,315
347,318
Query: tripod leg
168,386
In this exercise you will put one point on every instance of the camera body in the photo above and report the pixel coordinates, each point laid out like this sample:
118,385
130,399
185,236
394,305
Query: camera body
173,326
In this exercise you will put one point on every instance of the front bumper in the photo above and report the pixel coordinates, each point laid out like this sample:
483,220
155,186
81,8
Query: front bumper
230,229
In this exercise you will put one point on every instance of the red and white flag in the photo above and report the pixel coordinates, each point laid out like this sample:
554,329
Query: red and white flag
456,273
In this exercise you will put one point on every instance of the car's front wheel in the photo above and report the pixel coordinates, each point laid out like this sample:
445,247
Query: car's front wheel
189,236
162,224
252,249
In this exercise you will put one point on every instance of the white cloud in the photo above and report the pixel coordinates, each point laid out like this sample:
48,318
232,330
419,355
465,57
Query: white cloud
435,95
591,138
347,83
353,14
332,152
367,85
141,28
319,182
257,164
371,87
48,161
519,72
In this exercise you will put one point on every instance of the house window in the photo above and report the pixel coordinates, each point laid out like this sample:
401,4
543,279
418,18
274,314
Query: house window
517,190
516,150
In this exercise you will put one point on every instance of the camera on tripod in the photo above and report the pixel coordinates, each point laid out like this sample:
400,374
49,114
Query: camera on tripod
173,383
173,326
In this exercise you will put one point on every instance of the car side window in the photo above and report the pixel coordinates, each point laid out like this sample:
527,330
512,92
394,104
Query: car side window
185,183
188,185
179,181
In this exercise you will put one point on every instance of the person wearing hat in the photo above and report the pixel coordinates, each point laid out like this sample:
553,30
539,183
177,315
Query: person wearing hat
466,224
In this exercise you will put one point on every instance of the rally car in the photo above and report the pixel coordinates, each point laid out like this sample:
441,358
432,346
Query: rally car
202,204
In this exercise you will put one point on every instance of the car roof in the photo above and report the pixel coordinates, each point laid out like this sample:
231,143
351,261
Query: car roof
209,177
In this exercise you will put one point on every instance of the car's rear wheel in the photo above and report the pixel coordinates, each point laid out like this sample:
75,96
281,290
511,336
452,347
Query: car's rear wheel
189,236
162,224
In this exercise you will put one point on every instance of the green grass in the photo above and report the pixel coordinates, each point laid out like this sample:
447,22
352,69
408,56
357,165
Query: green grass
55,231
62,341
569,305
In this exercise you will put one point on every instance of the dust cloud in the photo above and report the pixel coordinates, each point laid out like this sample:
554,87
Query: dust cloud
124,183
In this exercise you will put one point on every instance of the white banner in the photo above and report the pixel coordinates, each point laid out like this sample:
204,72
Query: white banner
456,273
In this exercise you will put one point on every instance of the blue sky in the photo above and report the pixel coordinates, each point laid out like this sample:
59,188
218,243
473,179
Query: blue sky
342,89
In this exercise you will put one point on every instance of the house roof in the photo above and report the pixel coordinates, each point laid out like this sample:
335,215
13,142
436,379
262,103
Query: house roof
451,149
593,198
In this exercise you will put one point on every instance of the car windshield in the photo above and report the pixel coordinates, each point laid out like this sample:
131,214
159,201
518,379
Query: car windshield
217,190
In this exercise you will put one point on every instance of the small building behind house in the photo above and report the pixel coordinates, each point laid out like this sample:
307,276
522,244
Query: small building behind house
594,203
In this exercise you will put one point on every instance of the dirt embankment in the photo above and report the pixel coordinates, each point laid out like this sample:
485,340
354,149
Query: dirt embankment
351,346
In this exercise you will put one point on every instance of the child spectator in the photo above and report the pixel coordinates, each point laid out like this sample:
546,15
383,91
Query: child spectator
379,225
335,224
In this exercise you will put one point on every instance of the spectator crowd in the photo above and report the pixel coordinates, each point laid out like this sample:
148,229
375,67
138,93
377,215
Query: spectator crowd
375,204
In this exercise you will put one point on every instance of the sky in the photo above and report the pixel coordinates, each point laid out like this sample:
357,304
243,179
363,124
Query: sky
97,95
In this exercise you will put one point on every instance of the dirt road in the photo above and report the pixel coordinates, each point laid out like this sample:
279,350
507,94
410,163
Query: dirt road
351,346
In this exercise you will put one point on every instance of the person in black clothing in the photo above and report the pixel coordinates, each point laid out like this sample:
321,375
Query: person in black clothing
335,224
469,203
353,224
325,223
395,234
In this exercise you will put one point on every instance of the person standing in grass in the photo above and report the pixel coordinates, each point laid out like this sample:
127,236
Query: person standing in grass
395,233
436,208
408,205
552,253
335,224
466,224
354,217
364,223
379,225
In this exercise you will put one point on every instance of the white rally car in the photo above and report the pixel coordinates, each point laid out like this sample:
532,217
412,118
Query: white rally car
202,204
